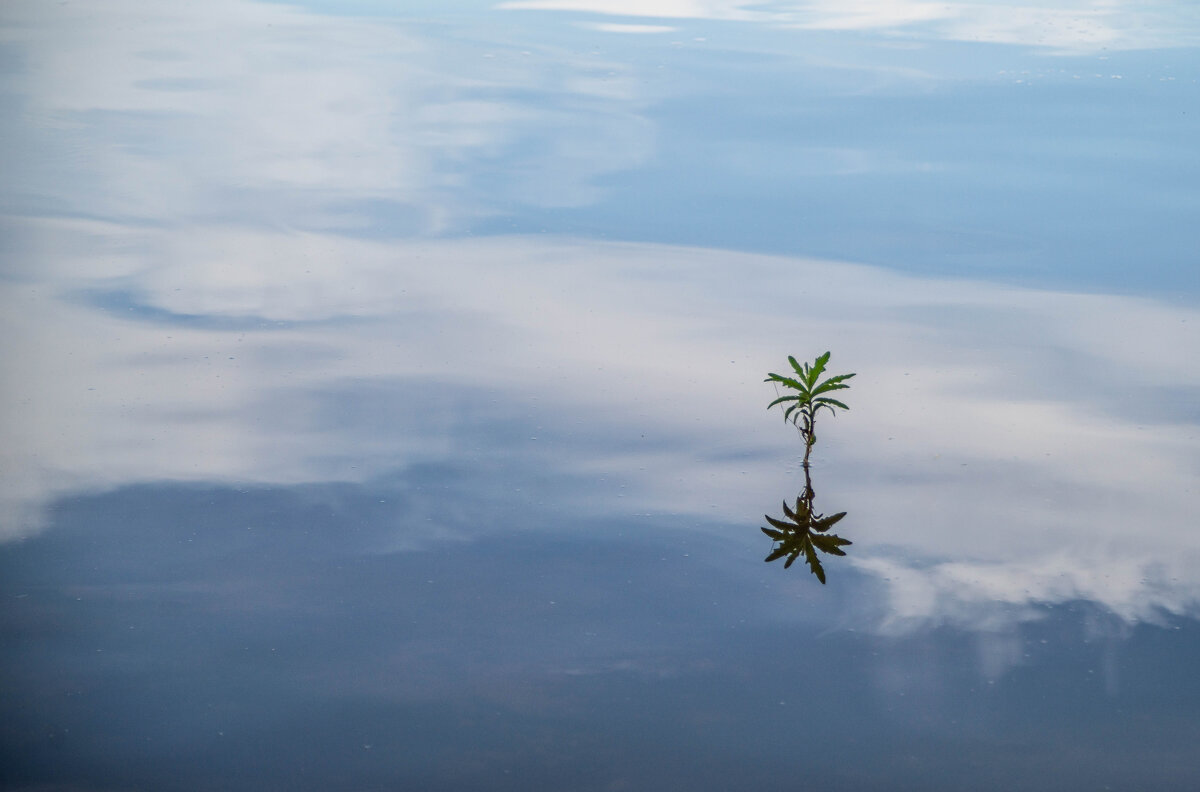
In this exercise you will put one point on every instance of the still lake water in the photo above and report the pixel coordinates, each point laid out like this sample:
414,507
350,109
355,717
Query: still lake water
383,400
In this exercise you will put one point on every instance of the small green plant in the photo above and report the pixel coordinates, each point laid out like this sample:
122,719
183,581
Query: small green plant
808,398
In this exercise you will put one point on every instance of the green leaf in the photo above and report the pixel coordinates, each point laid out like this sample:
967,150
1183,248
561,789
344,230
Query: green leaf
822,389
799,369
782,399
817,367
838,380
826,388
788,381
825,401
776,535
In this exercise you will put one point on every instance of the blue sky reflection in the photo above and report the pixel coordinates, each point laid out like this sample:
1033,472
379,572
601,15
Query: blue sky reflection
1007,161
381,379
990,442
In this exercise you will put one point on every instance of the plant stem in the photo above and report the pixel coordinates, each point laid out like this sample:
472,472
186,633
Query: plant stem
809,495
809,435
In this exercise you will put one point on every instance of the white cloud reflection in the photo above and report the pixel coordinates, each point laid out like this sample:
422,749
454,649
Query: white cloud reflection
1065,26
1037,439
664,9
617,27
254,112
1029,436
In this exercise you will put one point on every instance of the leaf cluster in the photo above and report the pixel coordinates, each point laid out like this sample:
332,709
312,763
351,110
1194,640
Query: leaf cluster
809,397
805,534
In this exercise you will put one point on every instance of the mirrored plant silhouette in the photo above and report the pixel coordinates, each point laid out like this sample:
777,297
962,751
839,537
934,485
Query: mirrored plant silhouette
805,532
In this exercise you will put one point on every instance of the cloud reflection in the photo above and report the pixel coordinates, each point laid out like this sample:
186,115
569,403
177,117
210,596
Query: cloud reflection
1067,26
1009,447
164,322
248,112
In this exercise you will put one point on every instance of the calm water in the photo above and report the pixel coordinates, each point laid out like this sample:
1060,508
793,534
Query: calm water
383,402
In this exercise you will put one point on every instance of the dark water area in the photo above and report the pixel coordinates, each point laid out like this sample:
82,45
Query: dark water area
242,639
382,398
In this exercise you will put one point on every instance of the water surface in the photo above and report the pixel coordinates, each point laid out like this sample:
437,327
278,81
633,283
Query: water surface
383,402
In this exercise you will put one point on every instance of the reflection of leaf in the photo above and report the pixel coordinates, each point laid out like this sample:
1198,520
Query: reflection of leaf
803,533
829,543
780,553
801,515
825,523
814,563
779,523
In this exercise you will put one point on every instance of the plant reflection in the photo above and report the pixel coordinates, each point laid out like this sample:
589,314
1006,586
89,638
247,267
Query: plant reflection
805,532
